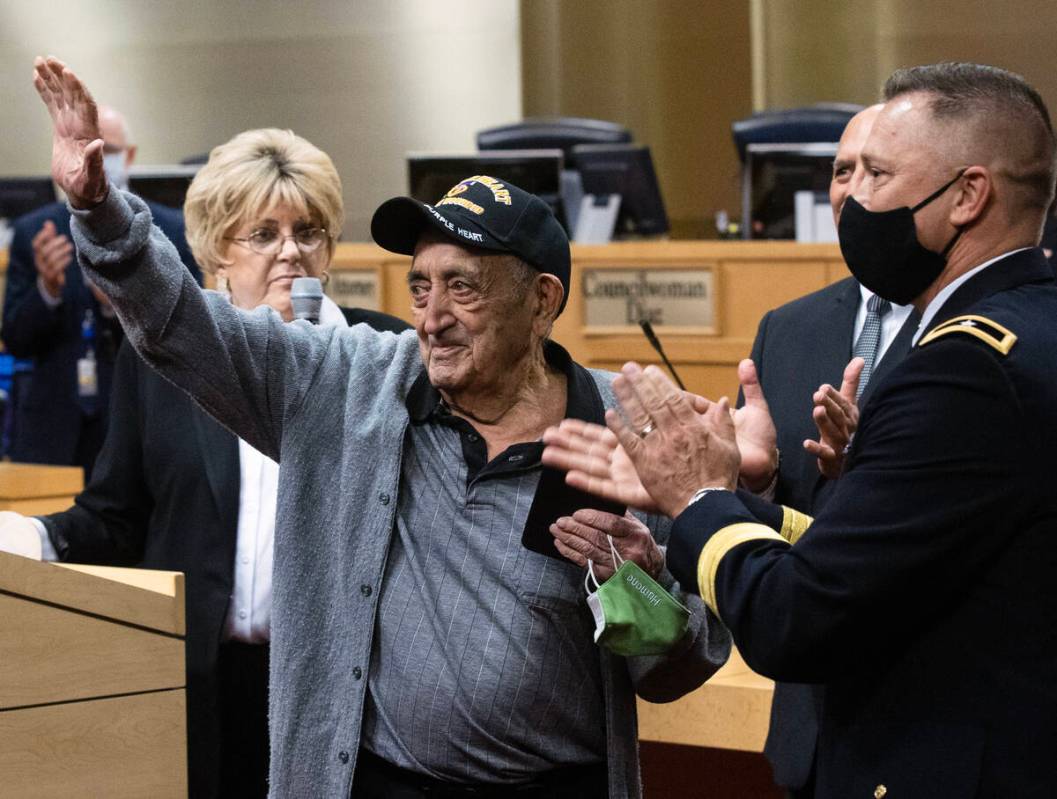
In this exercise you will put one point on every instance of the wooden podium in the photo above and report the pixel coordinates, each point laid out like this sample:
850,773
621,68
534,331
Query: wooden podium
91,681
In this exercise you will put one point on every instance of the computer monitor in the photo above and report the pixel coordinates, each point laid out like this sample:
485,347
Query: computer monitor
627,170
19,196
431,176
165,185
771,177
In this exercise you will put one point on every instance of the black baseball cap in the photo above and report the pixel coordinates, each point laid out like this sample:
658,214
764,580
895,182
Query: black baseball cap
484,212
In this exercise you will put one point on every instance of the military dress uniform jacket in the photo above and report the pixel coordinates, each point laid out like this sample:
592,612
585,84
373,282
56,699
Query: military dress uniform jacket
923,595
798,347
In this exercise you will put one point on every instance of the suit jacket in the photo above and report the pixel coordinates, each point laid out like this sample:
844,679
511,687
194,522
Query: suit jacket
798,347
922,595
47,417
165,495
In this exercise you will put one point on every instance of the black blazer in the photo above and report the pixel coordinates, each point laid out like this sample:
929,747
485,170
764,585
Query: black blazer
798,347
165,496
47,419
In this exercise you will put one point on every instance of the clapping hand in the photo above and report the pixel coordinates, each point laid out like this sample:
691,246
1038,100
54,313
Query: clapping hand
836,415
673,448
77,145
52,253
754,428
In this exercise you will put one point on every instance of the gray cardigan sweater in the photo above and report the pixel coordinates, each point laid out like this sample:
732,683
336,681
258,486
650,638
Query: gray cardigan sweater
328,404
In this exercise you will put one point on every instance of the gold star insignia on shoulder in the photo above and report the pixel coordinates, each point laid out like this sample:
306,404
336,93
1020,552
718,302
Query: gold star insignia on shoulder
991,333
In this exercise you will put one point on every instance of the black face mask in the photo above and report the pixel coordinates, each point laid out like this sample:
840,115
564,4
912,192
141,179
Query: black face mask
882,249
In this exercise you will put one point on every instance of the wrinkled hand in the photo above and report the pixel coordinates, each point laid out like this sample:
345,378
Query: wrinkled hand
754,428
836,415
77,145
682,450
52,253
582,537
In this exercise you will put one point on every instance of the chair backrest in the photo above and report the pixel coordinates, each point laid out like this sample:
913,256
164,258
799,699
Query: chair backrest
824,122
562,133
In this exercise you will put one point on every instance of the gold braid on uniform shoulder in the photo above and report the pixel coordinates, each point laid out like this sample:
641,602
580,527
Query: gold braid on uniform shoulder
794,524
724,540
991,333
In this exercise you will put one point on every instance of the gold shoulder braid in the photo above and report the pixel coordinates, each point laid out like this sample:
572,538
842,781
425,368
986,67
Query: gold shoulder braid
991,333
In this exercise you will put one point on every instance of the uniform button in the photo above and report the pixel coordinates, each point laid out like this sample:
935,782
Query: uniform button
343,757
383,498
365,590
880,792
357,672
243,614
472,437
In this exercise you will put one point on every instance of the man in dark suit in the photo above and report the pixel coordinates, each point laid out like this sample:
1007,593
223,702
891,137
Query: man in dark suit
922,595
66,326
800,346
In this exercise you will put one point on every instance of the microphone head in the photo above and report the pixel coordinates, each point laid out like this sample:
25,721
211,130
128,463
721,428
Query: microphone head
306,297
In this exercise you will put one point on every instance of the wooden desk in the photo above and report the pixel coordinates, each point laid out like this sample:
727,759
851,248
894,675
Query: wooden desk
751,277
33,489
731,711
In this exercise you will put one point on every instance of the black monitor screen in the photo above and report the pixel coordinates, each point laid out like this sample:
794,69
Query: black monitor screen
538,172
19,196
165,185
627,170
774,173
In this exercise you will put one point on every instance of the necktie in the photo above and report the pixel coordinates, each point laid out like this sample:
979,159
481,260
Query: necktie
870,338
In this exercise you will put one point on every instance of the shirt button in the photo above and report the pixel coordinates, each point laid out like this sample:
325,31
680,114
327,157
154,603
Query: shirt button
343,757
365,590
472,437
243,614
357,672
245,560
383,498
515,458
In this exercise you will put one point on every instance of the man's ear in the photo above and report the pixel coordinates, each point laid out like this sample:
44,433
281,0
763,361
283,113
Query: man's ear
549,294
974,191
130,155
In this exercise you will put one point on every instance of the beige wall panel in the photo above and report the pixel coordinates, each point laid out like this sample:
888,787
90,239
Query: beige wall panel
832,50
750,288
676,72
366,81
110,658
127,747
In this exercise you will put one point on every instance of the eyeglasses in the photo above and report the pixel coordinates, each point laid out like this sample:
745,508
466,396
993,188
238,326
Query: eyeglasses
266,241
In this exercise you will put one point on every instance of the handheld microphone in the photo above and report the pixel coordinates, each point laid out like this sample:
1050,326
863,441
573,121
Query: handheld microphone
306,297
651,337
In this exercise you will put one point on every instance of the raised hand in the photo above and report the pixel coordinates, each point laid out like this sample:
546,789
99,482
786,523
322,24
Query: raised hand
77,145
836,415
52,253
757,438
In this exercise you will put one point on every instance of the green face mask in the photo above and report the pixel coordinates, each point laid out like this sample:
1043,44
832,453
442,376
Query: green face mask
633,614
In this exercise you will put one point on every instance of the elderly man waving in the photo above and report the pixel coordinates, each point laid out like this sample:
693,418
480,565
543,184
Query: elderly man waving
416,642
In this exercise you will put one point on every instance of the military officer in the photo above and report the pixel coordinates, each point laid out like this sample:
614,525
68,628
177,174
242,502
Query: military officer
922,596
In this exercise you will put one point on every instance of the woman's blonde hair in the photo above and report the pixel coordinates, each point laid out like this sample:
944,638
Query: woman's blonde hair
253,173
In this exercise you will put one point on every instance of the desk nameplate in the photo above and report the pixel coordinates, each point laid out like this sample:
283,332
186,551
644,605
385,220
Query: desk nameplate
355,288
674,299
